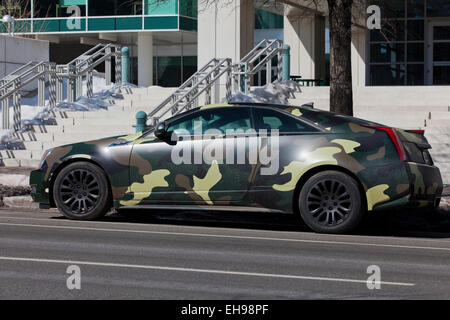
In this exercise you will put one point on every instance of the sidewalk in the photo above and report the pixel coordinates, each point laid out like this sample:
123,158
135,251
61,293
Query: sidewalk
16,170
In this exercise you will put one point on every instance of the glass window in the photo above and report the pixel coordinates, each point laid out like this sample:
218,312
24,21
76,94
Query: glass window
415,75
168,71
387,52
441,33
57,8
415,30
387,75
188,8
114,8
274,120
441,51
222,119
441,75
159,7
267,20
391,30
438,8
189,66
391,9
416,52
416,8
377,36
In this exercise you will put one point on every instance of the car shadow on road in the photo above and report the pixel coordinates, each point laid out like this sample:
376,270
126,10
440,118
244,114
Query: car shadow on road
424,223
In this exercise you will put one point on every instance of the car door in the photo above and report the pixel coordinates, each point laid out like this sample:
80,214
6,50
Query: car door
194,166
285,139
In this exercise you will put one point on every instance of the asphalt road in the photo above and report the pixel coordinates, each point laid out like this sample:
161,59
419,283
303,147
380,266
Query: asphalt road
209,258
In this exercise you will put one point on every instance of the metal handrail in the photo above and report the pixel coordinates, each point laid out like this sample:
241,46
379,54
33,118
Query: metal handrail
204,80
25,74
13,84
99,53
196,95
95,48
20,69
183,86
267,50
208,76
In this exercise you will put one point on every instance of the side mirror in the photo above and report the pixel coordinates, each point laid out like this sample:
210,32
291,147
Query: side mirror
160,131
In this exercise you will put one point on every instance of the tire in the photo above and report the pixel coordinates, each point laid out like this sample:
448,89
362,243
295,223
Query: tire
81,192
330,202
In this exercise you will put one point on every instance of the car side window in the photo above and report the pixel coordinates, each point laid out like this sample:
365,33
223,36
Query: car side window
193,123
223,119
274,120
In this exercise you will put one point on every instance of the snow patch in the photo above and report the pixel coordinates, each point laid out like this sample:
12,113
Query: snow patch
32,114
276,93
14,180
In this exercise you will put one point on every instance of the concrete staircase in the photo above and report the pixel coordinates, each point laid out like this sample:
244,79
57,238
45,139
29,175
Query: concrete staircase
424,108
75,126
415,108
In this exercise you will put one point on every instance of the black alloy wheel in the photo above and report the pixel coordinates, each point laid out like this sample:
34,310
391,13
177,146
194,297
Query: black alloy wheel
330,202
81,191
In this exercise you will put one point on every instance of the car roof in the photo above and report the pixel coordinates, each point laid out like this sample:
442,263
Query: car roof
325,120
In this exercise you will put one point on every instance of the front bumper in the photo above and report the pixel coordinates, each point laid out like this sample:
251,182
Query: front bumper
39,188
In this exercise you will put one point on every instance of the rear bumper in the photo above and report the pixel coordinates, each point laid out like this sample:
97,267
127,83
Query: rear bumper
426,184
425,188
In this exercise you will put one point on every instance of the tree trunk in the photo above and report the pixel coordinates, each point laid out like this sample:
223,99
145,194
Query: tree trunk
341,93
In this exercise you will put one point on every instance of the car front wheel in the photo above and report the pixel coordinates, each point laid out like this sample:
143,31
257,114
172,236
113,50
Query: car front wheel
330,202
81,192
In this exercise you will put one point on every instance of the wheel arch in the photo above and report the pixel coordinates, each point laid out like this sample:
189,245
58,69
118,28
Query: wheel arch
71,161
308,174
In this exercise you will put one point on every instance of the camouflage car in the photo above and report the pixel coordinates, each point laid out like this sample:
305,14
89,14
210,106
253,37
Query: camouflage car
328,169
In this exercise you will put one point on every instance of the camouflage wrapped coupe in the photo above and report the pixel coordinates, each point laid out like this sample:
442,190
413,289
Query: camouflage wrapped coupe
328,169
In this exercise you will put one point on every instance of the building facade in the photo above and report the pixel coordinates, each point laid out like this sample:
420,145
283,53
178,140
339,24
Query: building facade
170,39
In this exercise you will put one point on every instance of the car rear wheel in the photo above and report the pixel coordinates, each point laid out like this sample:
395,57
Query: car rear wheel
330,202
81,191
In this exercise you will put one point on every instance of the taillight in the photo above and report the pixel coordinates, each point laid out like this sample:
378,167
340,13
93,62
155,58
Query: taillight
422,132
396,140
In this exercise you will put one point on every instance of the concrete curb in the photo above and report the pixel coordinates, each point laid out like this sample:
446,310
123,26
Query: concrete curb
22,202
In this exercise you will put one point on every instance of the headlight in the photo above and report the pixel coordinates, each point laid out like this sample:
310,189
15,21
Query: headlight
45,156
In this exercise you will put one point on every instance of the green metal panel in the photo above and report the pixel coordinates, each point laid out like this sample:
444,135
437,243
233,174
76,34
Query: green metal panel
156,7
152,23
2,27
101,24
188,8
72,2
65,26
47,25
188,24
267,20
129,23
22,26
